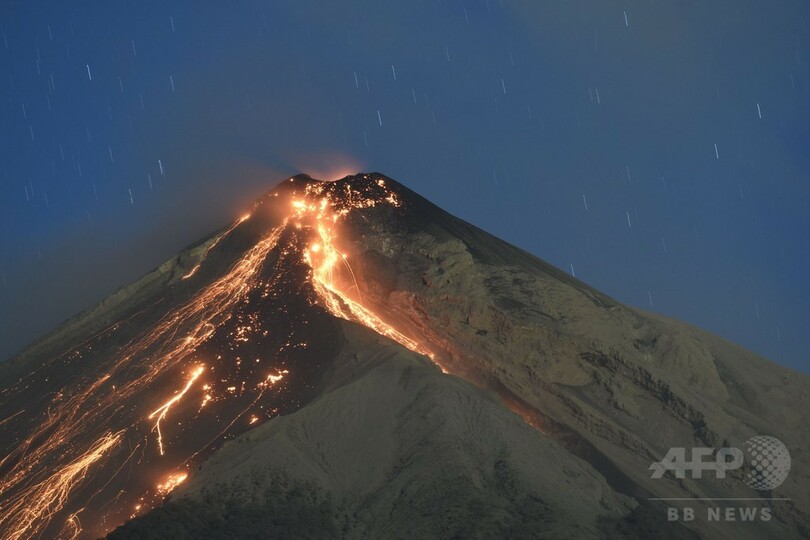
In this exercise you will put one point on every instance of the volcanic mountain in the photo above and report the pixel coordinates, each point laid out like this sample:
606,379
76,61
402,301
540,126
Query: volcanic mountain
348,360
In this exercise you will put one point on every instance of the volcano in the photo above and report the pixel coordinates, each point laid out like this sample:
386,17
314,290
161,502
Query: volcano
347,360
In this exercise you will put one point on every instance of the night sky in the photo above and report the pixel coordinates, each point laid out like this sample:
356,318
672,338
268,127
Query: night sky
659,150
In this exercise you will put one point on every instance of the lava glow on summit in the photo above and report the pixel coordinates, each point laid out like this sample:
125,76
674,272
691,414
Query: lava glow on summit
93,439
323,214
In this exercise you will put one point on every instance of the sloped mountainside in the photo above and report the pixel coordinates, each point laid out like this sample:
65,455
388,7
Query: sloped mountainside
348,360
397,450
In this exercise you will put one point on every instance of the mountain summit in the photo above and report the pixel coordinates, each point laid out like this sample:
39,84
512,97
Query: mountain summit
348,360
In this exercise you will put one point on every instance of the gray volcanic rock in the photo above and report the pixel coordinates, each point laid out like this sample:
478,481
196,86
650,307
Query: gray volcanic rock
618,385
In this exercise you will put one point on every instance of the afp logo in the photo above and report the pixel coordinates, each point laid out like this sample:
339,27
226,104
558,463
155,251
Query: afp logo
768,459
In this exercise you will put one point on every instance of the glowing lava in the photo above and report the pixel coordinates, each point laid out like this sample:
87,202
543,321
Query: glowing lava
80,424
323,211
40,472
35,506
170,482
164,409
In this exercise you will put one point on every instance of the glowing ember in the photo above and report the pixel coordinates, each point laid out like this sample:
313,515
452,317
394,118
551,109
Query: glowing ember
206,399
170,482
273,379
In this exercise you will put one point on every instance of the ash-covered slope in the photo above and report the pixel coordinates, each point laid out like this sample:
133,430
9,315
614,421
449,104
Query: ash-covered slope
618,386
395,450
317,308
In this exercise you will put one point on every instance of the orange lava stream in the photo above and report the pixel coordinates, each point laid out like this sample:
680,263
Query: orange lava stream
192,271
75,414
34,507
164,409
55,458
324,257
215,243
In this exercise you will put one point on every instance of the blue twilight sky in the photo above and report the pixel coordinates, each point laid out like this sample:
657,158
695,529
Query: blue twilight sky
660,150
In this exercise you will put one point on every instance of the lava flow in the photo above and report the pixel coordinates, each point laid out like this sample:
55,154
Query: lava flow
72,433
85,436
37,504
322,210
164,409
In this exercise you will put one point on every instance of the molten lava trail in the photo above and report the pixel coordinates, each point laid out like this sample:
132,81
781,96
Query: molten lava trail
37,504
163,410
43,470
333,279
322,211
114,426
